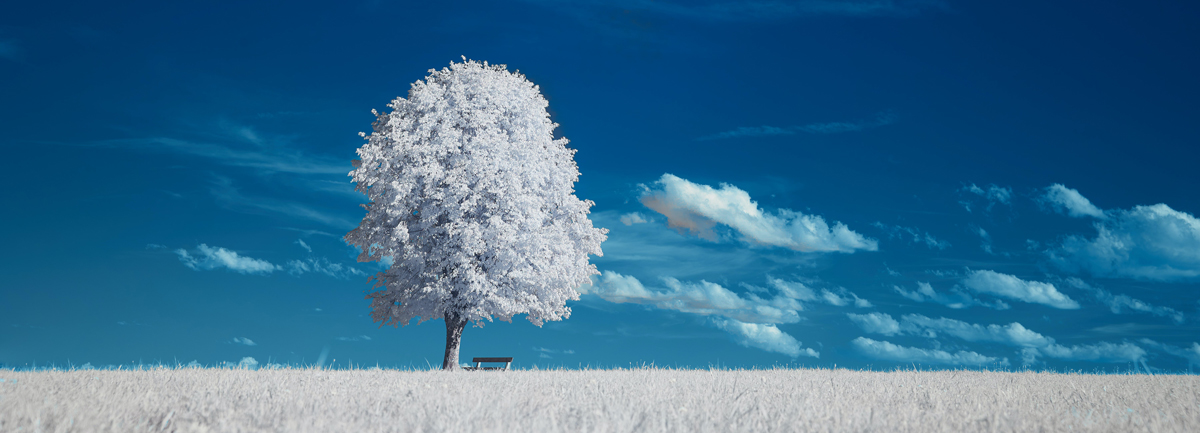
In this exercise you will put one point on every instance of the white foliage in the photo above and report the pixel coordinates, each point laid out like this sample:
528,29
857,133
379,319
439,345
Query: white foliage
472,199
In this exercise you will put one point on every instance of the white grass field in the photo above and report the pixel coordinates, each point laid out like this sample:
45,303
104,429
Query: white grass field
632,400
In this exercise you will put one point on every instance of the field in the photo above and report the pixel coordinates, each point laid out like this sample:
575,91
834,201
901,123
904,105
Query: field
622,400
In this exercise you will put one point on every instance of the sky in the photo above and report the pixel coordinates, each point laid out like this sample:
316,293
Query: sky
868,184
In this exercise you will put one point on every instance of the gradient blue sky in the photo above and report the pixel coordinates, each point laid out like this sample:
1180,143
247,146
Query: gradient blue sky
175,180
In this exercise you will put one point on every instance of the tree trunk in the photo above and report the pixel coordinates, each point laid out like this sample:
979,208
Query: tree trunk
454,329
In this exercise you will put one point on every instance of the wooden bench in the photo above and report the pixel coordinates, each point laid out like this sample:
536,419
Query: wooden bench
507,362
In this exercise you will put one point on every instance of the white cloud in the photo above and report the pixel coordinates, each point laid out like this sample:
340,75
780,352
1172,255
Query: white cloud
1008,286
1071,202
992,195
888,351
766,337
843,298
323,266
244,341
1032,343
956,299
1146,242
633,218
699,208
876,323
986,243
248,363
702,298
1099,352
303,245
882,119
193,364
1191,354
913,235
544,351
358,338
207,258
1118,303
1013,334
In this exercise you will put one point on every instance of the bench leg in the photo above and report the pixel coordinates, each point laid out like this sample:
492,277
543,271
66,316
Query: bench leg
507,364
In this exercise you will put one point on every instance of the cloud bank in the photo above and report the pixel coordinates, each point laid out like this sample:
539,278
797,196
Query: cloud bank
697,209
891,352
1013,334
1146,242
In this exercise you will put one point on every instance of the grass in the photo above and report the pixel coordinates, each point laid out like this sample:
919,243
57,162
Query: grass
621,400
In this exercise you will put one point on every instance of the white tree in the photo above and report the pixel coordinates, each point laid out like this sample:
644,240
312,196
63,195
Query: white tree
473,201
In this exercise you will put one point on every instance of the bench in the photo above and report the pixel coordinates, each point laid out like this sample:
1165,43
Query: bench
507,362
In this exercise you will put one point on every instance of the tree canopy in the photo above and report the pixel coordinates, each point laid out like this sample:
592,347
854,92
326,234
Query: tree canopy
473,201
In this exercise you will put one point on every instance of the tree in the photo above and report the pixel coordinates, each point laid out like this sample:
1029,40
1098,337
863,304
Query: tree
472,199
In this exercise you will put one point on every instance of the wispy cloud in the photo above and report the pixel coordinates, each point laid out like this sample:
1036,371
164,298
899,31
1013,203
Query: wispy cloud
358,338
1119,303
759,10
1191,354
991,196
956,299
1013,334
1070,202
633,218
1008,286
703,298
322,265
882,119
1146,242
303,245
912,234
239,146
243,341
231,198
546,353
208,258
892,352
767,337
697,209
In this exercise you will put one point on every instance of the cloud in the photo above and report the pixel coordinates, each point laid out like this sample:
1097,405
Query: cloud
240,146
633,218
244,341
323,266
1008,286
914,235
764,336
303,245
882,119
1146,242
231,198
358,338
1191,354
957,299
208,258
1117,303
888,351
876,323
843,298
545,353
1070,201
703,298
1014,334
1099,352
986,243
699,208
248,363
992,195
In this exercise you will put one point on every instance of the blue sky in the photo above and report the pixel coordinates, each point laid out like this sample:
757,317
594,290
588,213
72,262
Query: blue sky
870,184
